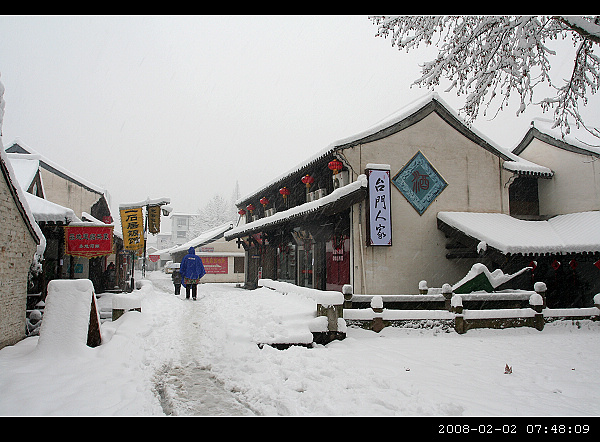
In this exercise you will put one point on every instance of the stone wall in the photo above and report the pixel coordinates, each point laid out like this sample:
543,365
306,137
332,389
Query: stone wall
17,247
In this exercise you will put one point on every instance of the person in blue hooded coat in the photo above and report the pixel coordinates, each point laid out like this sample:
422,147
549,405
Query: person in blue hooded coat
191,269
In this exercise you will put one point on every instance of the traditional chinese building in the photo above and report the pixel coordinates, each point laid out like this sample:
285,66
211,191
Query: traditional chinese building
364,211
59,198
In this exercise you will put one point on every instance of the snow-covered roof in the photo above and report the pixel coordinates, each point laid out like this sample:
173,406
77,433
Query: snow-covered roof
146,202
22,202
302,209
24,148
47,211
579,138
570,233
512,162
205,238
25,166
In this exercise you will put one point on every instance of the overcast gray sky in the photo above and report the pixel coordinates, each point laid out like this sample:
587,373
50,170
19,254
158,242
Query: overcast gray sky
183,106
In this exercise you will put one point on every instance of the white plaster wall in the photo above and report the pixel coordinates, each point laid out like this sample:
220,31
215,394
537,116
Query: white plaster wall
575,186
475,183
68,194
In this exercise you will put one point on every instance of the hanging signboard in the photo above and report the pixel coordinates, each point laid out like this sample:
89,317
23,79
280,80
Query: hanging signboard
419,182
132,223
88,241
215,265
379,214
154,219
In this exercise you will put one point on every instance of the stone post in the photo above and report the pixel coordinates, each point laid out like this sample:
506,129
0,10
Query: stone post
347,291
377,307
536,301
447,292
459,319
540,289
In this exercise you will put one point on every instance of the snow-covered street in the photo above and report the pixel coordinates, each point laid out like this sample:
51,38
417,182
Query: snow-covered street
181,357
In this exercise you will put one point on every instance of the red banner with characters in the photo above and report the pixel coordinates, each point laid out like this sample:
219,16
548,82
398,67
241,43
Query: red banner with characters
215,265
88,241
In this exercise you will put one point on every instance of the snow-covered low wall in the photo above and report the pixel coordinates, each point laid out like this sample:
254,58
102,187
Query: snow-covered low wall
329,324
323,297
534,316
124,302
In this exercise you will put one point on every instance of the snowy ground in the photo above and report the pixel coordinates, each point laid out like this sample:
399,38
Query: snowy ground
180,357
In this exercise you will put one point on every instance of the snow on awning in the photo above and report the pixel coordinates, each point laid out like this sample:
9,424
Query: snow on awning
47,211
205,238
571,233
346,192
521,166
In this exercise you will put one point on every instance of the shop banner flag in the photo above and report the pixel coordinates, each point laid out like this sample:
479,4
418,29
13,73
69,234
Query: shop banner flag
132,223
88,241
154,219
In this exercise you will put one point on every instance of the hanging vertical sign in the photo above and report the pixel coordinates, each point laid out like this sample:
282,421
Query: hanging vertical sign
132,223
154,219
379,214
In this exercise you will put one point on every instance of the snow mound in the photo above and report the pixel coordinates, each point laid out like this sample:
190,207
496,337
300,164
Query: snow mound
66,324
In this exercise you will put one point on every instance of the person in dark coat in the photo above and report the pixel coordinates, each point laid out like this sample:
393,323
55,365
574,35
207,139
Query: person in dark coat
191,269
176,278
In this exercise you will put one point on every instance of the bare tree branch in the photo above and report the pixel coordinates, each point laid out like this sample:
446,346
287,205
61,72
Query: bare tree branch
488,58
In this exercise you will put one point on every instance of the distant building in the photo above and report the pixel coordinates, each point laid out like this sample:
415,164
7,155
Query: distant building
222,260
180,227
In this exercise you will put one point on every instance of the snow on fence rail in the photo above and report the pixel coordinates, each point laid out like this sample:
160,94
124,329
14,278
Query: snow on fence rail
335,308
535,315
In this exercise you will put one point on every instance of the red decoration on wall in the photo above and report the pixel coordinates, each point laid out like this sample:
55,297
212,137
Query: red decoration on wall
308,180
336,166
284,191
573,264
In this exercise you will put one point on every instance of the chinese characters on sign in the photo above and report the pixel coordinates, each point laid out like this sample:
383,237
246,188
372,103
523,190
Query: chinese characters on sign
419,182
132,222
88,241
215,265
380,214
154,219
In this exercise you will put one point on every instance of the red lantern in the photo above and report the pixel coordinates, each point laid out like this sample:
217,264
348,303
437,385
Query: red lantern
241,212
284,191
336,166
308,180
573,264
264,201
250,208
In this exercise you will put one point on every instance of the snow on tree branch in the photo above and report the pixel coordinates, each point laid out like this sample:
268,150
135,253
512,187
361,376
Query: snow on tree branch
489,58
